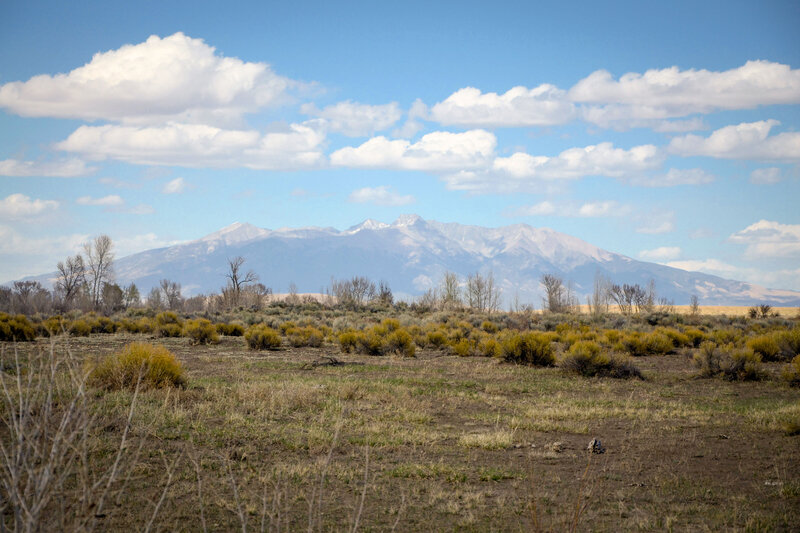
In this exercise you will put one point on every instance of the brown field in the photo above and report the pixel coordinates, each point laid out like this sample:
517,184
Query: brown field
269,441
719,310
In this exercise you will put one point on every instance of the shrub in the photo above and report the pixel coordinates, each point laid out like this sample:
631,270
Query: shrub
104,325
261,337
401,342
79,328
201,331
155,364
436,338
462,348
371,342
54,325
390,324
696,336
16,328
586,358
791,372
527,349
349,340
640,344
489,327
707,360
488,346
230,330
678,339
789,342
766,346
167,324
307,336
742,365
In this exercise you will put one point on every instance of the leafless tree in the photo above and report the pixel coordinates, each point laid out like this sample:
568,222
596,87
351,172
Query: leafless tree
29,297
71,279
482,293
154,299
600,297
385,295
113,298
172,294
356,291
558,297
132,297
450,291
694,306
237,279
99,265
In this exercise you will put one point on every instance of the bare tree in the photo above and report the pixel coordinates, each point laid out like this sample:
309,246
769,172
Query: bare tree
172,294
600,297
132,297
557,297
99,265
450,291
113,298
29,297
385,295
71,279
237,279
356,291
154,299
482,294
694,306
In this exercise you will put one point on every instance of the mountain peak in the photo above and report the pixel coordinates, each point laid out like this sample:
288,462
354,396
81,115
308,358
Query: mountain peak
407,220
367,224
235,233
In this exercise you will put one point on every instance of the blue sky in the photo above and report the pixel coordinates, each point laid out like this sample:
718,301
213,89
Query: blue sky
664,131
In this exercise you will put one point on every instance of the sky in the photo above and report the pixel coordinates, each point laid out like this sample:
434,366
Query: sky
665,131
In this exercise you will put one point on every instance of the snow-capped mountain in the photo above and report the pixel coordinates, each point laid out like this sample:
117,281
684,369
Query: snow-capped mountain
411,254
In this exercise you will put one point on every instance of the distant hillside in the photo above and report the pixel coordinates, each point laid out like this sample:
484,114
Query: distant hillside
412,254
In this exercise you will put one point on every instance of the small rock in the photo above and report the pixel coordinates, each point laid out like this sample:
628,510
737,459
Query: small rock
557,447
595,446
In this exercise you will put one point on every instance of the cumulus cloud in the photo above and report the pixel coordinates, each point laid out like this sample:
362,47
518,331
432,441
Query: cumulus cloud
586,210
197,145
767,238
382,195
522,171
662,253
107,201
709,266
170,78
354,119
20,206
439,151
748,140
674,177
671,92
765,176
545,105
176,186
412,125
65,168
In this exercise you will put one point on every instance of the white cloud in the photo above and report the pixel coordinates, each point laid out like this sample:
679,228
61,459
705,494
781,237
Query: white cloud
15,244
544,105
195,145
140,209
655,222
765,176
439,151
709,266
670,92
674,177
412,125
748,140
65,168
174,78
18,206
107,201
522,171
354,119
586,210
176,186
767,238
382,195
540,209
139,243
662,253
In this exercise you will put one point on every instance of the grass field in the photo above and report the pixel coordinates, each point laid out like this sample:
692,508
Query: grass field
274,441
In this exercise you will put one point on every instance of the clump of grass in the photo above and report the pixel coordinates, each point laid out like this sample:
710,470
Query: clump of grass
201,331
586,358
261,337
528,349
493,440
16,328
151,366
791,372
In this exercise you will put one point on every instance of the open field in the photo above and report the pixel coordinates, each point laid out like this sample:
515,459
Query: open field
436,442
717,310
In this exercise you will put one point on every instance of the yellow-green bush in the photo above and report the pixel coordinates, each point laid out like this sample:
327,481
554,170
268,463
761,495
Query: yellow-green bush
401,342
16,328
55,325
230,330
103,324
696,336
766,346
678,339
436,338
372,341
728,362
488,346
640,344
528,349
391,324
586,358
261,337
349,340
306,336
791,372
167,324
462,348
489,327
789,342
145,364
201,331
286,326
79,328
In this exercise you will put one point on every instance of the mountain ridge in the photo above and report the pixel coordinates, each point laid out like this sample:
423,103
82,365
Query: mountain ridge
412,253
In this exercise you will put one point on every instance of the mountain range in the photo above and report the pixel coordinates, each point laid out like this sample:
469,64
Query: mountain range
412,254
